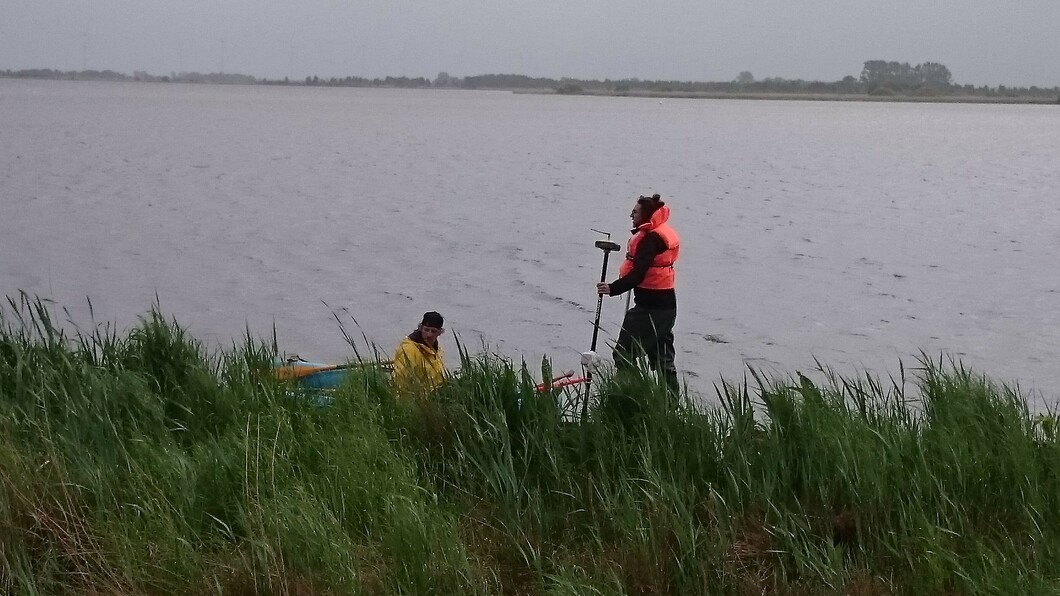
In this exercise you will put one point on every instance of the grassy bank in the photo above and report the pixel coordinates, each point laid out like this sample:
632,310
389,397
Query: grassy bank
141,464
805,96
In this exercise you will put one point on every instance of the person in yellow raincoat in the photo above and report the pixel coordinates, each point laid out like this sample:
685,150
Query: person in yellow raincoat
419,367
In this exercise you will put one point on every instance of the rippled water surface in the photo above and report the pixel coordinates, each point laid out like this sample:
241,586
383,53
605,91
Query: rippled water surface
858,234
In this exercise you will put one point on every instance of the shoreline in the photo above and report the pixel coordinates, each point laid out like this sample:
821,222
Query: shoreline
777,96
858,97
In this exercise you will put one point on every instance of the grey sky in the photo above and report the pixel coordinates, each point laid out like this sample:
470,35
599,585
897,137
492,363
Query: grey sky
981,41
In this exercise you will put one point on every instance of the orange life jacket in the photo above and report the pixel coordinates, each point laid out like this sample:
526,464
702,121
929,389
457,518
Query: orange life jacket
660,275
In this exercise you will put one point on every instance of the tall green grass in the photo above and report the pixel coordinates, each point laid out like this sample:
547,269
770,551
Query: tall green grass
141,463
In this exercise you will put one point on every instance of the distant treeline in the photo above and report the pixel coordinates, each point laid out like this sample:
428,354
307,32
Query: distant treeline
877,78
110,75
75,75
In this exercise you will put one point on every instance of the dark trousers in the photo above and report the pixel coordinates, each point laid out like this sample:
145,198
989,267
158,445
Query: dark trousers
649,333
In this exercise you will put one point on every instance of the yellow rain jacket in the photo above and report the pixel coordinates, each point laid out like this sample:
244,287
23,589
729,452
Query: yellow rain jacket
418,368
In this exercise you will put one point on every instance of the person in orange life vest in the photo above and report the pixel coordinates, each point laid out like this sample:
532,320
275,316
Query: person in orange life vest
418,364
648,270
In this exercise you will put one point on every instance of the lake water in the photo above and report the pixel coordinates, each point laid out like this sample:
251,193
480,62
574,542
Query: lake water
858,234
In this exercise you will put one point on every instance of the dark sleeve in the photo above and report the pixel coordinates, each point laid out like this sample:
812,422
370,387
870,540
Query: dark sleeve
647,249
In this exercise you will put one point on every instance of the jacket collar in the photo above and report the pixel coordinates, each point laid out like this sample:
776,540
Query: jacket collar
661,215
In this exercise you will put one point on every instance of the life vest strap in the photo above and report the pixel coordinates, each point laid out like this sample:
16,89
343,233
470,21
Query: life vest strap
671,265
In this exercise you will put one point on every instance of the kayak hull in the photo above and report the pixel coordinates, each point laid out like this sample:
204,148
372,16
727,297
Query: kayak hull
324,379
311,375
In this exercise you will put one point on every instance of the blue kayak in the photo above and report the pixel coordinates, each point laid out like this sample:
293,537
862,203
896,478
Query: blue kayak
315,375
